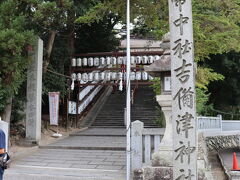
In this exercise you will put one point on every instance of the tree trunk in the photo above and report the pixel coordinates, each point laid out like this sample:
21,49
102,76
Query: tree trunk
49,50
7,112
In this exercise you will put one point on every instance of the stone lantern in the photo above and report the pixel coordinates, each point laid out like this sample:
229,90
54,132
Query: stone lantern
162,68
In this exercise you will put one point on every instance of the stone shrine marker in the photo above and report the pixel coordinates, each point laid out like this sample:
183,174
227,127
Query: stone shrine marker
34,94
183,91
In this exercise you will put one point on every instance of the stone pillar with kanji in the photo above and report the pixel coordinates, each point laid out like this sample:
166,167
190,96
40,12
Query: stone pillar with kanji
183,90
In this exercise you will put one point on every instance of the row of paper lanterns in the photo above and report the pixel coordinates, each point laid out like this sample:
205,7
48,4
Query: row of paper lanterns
73,105
110,76
79,62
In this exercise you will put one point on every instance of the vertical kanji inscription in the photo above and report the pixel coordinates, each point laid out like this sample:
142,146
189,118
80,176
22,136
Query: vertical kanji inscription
183,90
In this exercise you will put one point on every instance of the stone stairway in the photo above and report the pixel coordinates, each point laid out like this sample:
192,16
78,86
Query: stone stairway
144,109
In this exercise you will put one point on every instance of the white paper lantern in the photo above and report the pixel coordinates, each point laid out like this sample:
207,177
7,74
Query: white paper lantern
156,58
85,77
114,76
102,61
74,76
90,61
120,75
82,82
132,76
138,60
144,59
120,60
114,61
144,76
96,76
90,76
121,85
73,62
132,60
108,60
150,59
85,62
72,107
79,62
96,61
79,76
108,76
124,60
150,77
125,76
138,75
102,75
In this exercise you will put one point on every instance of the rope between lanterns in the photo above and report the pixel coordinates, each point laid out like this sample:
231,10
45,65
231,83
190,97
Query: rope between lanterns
59,74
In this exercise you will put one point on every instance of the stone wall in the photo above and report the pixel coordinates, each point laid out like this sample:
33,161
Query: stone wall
216,143
161,173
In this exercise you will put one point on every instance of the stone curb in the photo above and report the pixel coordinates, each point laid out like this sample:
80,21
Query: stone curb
105,135
224,168
83,148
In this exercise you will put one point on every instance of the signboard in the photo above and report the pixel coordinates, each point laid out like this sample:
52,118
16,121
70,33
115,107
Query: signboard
53,107
167,83
183,91
72,107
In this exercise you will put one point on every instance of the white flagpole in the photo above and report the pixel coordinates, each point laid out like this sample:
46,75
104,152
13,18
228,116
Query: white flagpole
128,88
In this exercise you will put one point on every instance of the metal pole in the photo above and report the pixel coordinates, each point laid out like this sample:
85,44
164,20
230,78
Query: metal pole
128,88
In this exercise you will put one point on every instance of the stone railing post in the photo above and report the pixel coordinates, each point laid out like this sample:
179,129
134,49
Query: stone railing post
221,123
136,145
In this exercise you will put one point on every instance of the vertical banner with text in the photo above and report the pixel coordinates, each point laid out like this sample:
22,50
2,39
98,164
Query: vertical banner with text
183,90
53,107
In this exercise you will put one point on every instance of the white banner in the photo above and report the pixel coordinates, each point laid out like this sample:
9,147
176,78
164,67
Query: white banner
53,107
72,107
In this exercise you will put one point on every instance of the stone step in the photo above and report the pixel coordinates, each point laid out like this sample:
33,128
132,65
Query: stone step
143,109
101,132
89,143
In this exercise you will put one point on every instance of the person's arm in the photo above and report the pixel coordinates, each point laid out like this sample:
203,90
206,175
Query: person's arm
2,142
2,151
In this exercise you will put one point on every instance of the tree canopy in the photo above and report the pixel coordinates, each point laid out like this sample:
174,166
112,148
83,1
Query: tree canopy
15,38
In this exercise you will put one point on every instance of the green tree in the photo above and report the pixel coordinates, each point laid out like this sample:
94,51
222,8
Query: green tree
50,18
20,22
225,95
215,23
15,38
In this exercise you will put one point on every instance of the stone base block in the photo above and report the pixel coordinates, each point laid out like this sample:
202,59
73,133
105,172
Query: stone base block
234,175
28,143
153,173
163,158
161,173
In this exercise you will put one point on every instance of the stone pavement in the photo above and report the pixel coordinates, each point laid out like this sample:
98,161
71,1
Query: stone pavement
74,158
89,142
216,168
